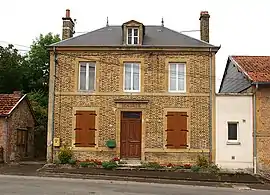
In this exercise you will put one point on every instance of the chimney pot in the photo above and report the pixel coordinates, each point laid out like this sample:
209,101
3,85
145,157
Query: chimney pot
67,13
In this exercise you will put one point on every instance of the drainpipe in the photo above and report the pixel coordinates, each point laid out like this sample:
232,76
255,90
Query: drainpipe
210,106
52,106
254,132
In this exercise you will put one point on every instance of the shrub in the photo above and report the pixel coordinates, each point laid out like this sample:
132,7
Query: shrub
195,168
202,161
84,164
153,165
72,161
109,165
212,168
65,155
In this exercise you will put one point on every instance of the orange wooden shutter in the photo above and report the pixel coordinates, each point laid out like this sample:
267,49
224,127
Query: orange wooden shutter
176,130
85,129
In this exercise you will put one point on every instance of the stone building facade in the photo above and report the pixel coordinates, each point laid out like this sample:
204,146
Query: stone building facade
150,136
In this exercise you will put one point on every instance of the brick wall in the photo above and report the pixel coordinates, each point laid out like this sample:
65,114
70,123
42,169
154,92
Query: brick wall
263,127
155,91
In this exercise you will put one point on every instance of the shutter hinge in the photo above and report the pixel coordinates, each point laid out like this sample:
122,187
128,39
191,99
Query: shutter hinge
169,115
184,130
184,145
91,144
77,143
93,114
168,145
77,114
92,129
78,129
169,130
184,115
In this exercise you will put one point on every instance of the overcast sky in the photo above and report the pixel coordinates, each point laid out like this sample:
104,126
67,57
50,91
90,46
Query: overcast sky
241,27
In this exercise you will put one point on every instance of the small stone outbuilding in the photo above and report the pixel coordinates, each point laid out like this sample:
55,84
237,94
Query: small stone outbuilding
16,127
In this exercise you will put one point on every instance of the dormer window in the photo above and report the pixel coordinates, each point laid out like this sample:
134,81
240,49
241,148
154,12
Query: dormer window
133,36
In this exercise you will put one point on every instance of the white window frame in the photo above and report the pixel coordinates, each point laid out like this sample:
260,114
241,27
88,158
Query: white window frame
132,36
237,131
87,77
124,77
169,78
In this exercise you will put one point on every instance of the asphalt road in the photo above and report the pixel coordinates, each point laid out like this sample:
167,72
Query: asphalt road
28,185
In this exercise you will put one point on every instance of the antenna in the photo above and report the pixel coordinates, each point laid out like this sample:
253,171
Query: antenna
107,23
162,22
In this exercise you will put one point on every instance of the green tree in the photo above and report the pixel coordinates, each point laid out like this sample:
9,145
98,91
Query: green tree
39,59
12,68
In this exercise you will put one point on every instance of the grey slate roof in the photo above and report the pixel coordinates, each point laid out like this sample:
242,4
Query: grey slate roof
154,36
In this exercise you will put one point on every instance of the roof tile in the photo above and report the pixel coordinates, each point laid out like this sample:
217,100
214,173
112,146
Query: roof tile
257,67
7,102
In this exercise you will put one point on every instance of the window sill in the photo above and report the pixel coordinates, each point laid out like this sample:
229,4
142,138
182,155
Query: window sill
233,143
81,91
177,92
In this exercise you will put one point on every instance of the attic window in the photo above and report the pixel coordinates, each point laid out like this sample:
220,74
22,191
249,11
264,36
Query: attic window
132,36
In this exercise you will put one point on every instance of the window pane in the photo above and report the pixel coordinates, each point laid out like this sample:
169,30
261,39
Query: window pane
127,76
181,77
232,131
135,32
83,76
135,40
136,76
129,32
173,77
91,77
129,40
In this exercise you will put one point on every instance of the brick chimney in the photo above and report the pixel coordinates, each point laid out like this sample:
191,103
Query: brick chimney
204,25
68,26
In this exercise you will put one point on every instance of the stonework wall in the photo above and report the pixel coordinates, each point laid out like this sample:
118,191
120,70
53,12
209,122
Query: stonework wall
21,118
2,132
263,127
155,90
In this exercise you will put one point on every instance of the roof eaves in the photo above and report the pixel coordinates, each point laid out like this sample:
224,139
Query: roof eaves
16,104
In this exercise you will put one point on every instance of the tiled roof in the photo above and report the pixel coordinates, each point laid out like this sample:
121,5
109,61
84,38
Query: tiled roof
256,67
7,102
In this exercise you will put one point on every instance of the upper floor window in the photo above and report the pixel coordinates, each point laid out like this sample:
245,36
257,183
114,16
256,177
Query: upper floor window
132,36
87,76
132,77
177,77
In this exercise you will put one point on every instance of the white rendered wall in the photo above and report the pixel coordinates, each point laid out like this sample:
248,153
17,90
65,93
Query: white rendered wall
232,108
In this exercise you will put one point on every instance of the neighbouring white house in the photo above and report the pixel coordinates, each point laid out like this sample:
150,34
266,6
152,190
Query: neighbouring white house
234,128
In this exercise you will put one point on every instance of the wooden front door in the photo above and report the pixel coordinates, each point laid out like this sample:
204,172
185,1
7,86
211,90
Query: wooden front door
22,139
130,138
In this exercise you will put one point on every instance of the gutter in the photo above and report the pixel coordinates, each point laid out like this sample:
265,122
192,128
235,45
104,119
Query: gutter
254,132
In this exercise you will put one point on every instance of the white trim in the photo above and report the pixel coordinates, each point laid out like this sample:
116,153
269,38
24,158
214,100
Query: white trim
237,132
124,77
87,77
133,36
16,104
169,77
